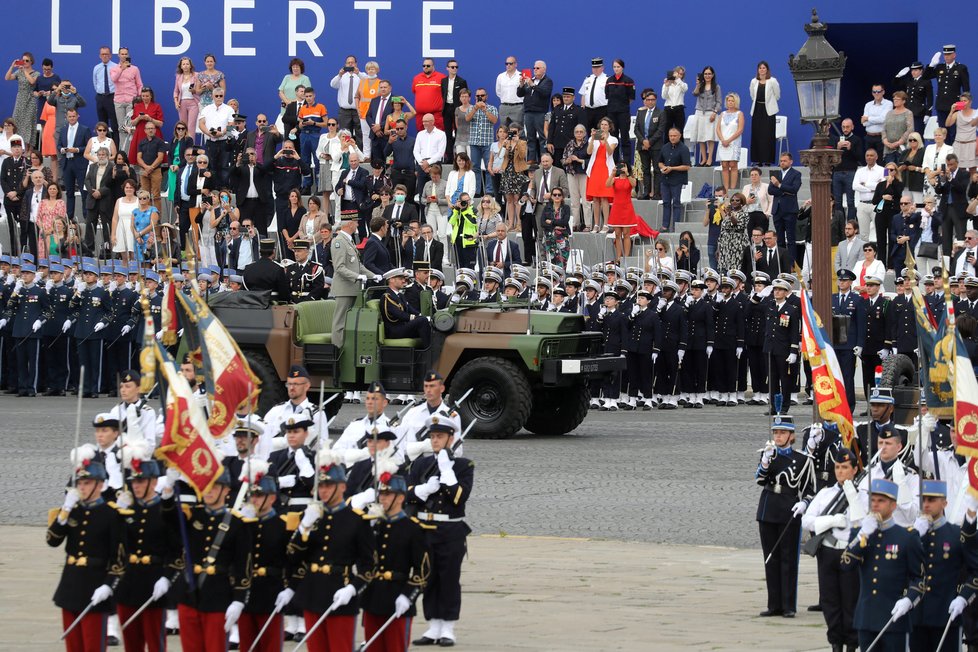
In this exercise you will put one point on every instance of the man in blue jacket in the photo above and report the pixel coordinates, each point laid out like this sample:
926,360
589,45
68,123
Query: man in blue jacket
784,187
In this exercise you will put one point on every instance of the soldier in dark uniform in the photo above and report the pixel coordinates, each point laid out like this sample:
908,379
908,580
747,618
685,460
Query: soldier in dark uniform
118,334
787,478
700,322
266,274
439,486
952,80
743,302
491,280
153,547
822,441
246,433
91,312
950,565
437,282
920,93
360,476
94,536
729,333
330,559
562,122
614,330
903,325
412,293
27,309
853,306
878,330
292,465
7,282
757,307
670,347
781,342
644,325
270,534
54,341
305,277
400,319
890,561
572,304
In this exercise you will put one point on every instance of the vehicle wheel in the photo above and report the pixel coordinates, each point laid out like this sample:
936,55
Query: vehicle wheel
500,400
272,389
898,371
558,411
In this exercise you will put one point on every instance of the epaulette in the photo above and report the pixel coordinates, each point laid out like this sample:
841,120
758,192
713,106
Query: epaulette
186,510
53,515
292,520
423,525
243,518
124,512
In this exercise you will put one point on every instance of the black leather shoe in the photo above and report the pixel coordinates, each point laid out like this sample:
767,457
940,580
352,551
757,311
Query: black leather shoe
289,636
90,395
815,607
446,642
111,641
172,631
424,640
55,392
767,613
788,614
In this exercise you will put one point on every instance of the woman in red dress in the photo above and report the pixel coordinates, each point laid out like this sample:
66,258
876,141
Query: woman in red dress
601,148
623,217
146,110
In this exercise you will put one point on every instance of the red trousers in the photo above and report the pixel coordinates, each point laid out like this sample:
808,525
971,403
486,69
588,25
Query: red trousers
250,624
202,631
336,634
88,635
395,638
146,633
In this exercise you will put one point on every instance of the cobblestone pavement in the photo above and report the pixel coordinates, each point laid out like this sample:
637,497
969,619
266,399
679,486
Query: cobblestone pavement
680,476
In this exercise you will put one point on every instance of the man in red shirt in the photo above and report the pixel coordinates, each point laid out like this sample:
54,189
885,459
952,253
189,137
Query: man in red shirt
426,87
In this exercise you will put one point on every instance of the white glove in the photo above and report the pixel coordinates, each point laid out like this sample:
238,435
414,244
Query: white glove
125,329
815,436
36,326
173,476
283,599
740,351
422,491
3,322
709,351
123,500
884,354
635,310
901,608
655,356
310,516
767,455
857,351
232,614
159,335
101,594
935,59
362,499
956,607
286,481
343,596
180,333
792,358
894,350
903,71
840,520
249,511
161,588
48,285
66,326
303,464
445,463
868,525
99,326
402,604
680,355
18,286
970,503
378,278
362,278
922,525
71,499
799,508
112,286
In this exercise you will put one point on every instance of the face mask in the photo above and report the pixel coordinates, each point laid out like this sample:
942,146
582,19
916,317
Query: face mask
399,199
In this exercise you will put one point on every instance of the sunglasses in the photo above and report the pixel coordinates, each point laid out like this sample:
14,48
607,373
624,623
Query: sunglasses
904,203
480,97
201,162
877,92
510,63
867,249
216,95
400,128
331,124
178,129
453,67
100,130
261,122
427,66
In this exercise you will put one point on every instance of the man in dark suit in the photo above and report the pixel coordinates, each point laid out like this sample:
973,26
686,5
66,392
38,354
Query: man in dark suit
562,122
774,259
353,187
253,188
290,118
784,187
265,134
451,86
400,212
266,274
71,148
501,252
248,239
99,203
952,186
430,249
375,255
648,136
377,114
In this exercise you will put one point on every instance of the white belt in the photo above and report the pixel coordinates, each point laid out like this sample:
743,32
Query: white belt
299,501
838,545
441,518
188,498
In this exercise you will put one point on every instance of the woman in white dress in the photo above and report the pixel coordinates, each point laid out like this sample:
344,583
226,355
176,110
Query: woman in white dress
123,240
661,259
98,141
730,127
330,156
869,266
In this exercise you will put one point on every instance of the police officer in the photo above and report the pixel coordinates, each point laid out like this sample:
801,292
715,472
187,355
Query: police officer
890,562
27,309
644,325
757,308
952,80
91,312
670,349
614,331
849,304
94,538
55,343
306,277
781,343
730,324
400,319
266,274
292,465
439,485
787,479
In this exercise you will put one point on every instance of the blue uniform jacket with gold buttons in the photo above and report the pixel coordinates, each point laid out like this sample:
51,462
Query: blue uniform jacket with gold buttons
59,298
903,324
945,571
700,324
855,307
673,335
878,317
642,331
890,562
449,500
26,306
729,324
270,536
88,308
403,564
783,329
152,548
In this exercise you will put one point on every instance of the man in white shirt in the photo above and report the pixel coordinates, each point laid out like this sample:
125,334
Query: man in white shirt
347,85
213,123
874,114
510,104
592,93
864,183
964,262
297,387
429,148
376,402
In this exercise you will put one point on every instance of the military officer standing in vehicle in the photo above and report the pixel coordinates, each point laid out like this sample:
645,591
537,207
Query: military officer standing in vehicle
850,304
306,277
348,275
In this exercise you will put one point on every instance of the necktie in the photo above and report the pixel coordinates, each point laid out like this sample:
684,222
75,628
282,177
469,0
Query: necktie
349,97
380,114
543,184
594,86
648,121
186,180
427,251
498,258
397,214
105,77
770,256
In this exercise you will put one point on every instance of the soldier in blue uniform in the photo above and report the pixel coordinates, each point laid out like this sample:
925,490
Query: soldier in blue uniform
757,307
787,479
950,565
57,361
91,312
730,324
27,309
439,486
952,80
644,325
118,334
781,343
700,319
878,330
400,319
850,304
306,277
903,325
670,347
890,561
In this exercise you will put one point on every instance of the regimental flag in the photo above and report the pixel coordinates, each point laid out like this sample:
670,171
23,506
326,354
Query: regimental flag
966,412
147,356
185,445
168,314
231,385
936,358
827,379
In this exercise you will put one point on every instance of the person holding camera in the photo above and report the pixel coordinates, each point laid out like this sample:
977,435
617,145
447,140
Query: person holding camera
64,98
25,106
218,212
673,94
347,85
513,180
952,186
687,253
71,145
464,224
128,83
965,119
601,148
213,123
623,217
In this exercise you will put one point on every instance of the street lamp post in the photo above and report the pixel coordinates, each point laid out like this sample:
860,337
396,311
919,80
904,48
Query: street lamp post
817,70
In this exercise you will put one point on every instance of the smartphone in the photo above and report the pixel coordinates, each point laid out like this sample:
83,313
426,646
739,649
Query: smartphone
527,73
671,75
886,172
19,62
957,106
347,68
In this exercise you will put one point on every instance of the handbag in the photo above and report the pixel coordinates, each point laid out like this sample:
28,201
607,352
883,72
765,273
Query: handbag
928,250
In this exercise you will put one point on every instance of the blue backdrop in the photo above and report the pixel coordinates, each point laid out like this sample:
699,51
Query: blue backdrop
254,40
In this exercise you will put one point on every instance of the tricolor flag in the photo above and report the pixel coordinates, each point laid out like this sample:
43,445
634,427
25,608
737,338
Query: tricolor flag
827,381
168,314
966,411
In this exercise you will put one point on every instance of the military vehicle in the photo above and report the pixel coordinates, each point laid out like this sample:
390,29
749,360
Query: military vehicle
527,369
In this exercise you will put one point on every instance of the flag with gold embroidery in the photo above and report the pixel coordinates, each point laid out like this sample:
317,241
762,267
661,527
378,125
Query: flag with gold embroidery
936,358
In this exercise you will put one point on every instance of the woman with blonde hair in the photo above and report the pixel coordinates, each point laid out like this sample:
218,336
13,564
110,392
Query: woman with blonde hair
729,129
